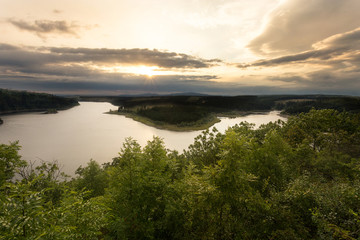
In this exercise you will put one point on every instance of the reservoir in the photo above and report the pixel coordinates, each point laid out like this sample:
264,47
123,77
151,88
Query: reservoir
74,136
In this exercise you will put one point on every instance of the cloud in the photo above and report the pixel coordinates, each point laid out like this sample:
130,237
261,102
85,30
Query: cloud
111,82
117,83
155,57
322,81
7,47
57,11
41,27
341,48
295,26
69,70
79,69
26,58
332,66
124,84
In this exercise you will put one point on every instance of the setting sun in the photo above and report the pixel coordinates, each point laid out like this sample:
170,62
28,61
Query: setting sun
145,70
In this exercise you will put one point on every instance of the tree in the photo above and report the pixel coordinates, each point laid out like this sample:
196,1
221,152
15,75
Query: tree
92,178
205,149
143,194
10,161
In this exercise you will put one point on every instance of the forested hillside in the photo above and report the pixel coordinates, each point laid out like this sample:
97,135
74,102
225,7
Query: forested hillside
18,101
293,180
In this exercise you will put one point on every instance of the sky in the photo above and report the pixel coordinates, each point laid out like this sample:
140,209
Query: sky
218,47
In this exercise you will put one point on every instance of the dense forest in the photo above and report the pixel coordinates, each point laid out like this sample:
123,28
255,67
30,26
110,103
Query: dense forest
289,104
12,101
298,179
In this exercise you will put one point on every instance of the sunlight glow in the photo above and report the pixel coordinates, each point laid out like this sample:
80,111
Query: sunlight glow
145,70
148,71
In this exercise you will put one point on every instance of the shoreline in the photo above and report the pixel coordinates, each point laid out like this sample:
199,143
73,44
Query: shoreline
39,110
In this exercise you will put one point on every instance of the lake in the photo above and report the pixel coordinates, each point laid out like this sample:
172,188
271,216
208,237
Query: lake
74,136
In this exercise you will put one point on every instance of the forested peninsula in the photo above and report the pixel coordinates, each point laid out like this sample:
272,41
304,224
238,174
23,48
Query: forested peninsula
182,113
12,101
298,179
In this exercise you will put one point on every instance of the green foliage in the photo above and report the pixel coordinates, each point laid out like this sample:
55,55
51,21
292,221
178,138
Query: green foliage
42,205
47,175
205,149
293,180
92,178
142,193
27,214
10,161
22,212
78,217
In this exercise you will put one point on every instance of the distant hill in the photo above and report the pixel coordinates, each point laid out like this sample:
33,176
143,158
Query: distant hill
12,101
188,94
140,95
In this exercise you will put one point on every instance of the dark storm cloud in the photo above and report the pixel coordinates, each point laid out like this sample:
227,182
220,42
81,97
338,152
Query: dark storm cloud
41,27
336,49
295,25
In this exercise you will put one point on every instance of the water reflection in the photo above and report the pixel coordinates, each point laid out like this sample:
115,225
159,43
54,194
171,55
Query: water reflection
76,135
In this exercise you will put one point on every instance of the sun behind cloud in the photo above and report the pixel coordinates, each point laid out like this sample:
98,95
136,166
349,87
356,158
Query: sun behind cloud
145,70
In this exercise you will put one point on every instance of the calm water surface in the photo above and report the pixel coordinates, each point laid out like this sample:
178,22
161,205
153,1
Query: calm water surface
75,136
